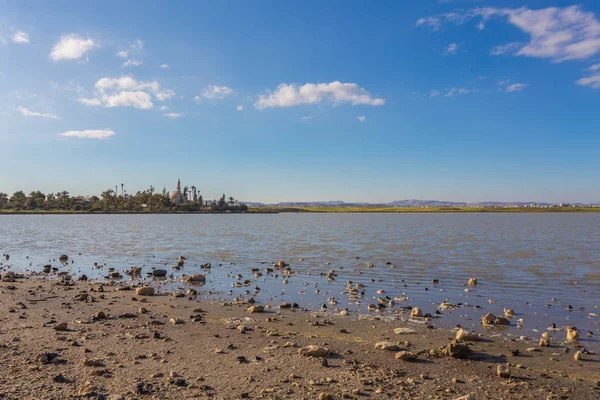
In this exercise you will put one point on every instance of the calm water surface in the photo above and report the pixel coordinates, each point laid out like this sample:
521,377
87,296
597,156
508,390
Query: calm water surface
522,261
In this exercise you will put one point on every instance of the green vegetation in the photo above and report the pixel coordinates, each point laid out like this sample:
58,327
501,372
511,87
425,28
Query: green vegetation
110,201
424,210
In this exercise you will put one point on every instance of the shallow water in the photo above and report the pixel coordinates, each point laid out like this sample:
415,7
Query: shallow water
522,261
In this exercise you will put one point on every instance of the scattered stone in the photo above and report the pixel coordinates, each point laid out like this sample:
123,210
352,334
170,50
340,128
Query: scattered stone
501,321
144,291
196,278
502,371
387,346
98,315
572,334
176,321
61,327
313,351
466,335
456,350
488,319
159,272
406,356
256,309
416,312
472,282
404,331
577,356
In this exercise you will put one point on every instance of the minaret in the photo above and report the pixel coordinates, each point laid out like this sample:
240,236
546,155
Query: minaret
178,185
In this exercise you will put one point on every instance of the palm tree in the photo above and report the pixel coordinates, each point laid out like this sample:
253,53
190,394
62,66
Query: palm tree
185,192
122,192
231,199
194,196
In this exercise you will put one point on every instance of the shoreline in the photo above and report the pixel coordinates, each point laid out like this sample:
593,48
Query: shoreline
323,210
118,344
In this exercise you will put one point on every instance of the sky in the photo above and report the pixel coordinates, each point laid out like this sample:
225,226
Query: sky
273,101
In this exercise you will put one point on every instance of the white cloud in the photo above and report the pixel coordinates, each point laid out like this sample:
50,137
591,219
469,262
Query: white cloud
434,93
29,113
503,82
140,100
455,91
123,54
451,49
515,87
592,81
164,95
240,108
90,134
163,108
165,66
71,47
361,118
132,63
21,38
308,117
505,48
335,93
559,34
213,92
127,92
173,115
594,67
90,101
138,45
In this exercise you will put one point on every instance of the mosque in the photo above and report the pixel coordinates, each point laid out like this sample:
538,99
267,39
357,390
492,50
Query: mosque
177,198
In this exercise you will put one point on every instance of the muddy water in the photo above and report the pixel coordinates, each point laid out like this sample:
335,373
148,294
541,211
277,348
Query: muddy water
522,261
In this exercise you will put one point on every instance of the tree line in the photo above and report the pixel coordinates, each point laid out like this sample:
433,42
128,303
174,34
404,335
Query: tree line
111,201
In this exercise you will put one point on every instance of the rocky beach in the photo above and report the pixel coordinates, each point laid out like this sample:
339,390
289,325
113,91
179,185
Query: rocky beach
64,336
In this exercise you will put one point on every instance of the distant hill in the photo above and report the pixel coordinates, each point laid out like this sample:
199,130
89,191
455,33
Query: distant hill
406,203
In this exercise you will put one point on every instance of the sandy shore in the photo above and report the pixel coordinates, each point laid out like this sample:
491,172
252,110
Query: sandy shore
121,345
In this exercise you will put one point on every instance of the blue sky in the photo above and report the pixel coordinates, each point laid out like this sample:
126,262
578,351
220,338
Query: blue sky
277,101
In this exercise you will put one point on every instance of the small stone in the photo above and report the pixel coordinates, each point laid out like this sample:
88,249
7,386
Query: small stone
465,335
159,272
577,356
61,327
472,282
406,356
313,351
325,396
572,334
502,371
387,346
256,309
144,291
99,315
416,312
488,319
176,321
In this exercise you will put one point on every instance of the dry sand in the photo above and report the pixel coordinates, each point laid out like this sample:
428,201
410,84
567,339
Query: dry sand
132,354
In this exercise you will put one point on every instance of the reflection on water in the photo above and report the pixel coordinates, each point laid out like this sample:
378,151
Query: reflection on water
522,261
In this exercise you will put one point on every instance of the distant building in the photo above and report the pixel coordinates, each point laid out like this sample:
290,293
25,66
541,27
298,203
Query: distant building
177,198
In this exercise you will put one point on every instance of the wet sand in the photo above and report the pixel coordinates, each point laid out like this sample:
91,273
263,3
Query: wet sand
168,347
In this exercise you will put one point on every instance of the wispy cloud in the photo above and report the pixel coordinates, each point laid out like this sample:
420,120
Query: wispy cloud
451,49
593,68
20,37
505,48
127,92
515,87
132,63
240,108
90,134
361,118
165,66
336,93
29,113
559,34
434,93
214,92
173,115
456,91
123,54
71,47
